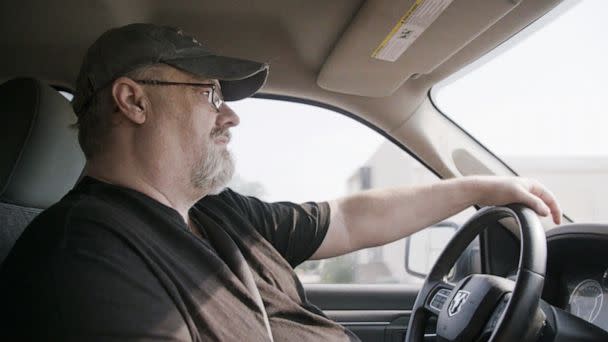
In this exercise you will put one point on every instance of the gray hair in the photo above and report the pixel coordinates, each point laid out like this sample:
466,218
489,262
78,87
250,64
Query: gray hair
95,122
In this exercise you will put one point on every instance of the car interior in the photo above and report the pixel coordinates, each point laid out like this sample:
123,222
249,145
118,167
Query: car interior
360,58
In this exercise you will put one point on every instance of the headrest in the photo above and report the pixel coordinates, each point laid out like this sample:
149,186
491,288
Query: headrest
40,159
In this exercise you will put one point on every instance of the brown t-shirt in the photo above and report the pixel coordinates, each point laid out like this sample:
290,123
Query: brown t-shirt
108,263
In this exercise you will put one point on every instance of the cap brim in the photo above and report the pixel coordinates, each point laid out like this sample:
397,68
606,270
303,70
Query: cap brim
239,78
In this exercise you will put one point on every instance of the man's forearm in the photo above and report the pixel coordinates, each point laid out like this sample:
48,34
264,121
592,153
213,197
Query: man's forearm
376,217
379,216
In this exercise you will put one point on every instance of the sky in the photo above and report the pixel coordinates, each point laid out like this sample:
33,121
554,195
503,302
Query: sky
548,88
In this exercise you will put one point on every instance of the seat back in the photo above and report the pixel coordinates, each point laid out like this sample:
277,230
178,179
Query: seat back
40,159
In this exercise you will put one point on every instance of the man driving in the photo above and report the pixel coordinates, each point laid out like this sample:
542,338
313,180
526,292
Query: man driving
150,245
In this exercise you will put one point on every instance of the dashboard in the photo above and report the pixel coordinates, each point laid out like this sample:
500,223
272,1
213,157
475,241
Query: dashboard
577,271
586,293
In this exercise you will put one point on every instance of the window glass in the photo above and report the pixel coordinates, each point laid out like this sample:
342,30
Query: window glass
297,152
539,103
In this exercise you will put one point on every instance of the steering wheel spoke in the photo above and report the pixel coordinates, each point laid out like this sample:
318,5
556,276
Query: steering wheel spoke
490,326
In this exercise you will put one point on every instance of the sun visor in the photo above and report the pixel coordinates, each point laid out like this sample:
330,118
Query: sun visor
391,41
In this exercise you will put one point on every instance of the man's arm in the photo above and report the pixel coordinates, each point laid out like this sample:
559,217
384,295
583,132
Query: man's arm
375,217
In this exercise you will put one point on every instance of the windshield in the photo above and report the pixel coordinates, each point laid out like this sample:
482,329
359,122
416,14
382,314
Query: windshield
538,103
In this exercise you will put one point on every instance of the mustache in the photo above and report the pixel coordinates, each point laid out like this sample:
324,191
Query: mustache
220,132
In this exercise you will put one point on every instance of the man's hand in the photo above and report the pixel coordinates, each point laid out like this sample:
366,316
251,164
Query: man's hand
505,190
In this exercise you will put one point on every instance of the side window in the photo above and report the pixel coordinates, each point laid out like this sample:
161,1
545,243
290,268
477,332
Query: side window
288,151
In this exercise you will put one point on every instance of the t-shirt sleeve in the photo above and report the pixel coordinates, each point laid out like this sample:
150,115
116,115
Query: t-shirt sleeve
295,230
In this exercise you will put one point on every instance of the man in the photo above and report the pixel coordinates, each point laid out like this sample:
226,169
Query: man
149,246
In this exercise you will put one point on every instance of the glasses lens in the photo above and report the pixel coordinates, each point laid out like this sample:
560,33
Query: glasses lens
217,100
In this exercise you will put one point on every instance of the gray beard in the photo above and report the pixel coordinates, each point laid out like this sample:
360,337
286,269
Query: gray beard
214,171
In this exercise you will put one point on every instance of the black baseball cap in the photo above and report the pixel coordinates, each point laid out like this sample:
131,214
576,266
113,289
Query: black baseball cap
123,49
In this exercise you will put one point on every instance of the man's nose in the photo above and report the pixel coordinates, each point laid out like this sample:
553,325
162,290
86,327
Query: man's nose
227,117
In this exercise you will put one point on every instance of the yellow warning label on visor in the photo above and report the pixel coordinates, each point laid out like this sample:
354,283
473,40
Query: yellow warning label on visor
411,25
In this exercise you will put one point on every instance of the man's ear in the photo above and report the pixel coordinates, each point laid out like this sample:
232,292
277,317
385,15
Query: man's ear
130,99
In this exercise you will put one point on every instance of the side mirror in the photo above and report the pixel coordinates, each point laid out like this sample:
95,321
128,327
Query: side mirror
423,248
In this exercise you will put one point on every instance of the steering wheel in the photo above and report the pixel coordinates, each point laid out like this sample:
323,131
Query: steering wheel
484,307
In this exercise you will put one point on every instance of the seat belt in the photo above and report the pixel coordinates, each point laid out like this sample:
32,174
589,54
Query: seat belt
229,252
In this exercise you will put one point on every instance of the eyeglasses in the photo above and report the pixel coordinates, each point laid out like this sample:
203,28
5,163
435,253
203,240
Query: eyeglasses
215,96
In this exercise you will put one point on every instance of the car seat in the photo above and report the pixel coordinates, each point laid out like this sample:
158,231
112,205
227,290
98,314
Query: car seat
40,159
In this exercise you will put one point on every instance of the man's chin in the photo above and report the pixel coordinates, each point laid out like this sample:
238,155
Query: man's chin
214,178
